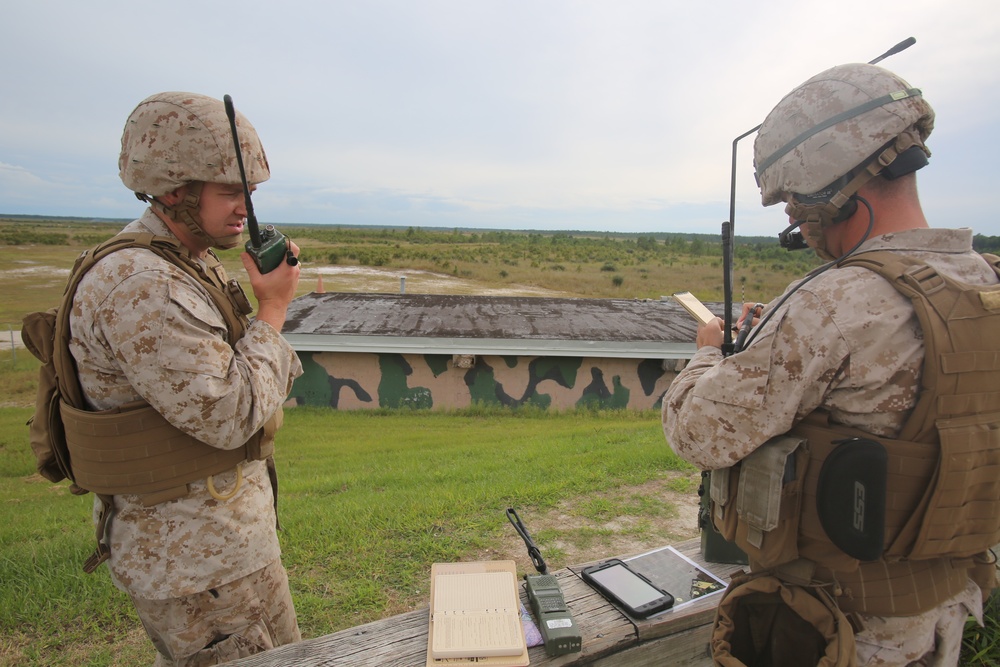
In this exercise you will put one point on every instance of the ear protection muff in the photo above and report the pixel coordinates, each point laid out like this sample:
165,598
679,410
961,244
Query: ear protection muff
907,162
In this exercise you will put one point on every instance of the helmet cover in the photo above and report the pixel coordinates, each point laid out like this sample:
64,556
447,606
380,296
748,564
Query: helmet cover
173,138
833,123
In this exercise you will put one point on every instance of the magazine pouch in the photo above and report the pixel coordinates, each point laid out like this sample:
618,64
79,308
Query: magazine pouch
768,501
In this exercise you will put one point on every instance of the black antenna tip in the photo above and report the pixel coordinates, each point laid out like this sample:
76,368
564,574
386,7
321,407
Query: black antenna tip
902,46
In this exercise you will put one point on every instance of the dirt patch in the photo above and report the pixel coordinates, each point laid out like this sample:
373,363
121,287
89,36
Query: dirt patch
651,515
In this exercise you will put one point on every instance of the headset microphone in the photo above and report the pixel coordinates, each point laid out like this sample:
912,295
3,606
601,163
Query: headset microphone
791,238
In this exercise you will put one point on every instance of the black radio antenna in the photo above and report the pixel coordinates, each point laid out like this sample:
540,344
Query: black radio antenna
905,44
533,552
252,225
729,227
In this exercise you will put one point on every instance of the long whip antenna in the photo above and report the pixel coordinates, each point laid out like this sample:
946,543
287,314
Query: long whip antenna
252,225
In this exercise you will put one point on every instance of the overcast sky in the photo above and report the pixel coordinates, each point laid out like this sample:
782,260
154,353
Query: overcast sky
517,114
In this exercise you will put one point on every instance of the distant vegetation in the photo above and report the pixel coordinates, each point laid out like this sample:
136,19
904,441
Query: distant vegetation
35,253
576,264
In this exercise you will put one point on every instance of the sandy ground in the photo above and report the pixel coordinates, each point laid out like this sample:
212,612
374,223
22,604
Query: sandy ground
408,281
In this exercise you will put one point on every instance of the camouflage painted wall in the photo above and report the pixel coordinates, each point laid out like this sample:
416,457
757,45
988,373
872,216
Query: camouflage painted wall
352,381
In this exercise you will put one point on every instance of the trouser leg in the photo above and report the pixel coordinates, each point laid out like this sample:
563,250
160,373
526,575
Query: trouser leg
234,620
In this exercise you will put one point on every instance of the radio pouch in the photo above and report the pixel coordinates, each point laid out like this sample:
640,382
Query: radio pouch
850,497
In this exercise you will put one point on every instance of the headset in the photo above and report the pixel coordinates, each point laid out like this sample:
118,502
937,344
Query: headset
822,204
830,200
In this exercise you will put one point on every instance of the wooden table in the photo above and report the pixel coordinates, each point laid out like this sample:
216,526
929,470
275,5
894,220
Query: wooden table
610,638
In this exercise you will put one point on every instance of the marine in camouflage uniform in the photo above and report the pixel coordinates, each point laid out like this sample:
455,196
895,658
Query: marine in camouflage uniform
203,570
845,342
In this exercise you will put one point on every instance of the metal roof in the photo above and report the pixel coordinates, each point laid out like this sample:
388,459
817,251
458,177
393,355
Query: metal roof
496,325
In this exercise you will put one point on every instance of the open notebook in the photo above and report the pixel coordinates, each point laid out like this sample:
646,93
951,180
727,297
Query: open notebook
475,615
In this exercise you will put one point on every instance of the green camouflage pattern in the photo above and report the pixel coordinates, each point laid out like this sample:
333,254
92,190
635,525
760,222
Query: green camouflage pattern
353,381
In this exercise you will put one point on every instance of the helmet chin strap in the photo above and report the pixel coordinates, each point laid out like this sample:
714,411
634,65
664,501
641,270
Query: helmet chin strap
815,213
186,213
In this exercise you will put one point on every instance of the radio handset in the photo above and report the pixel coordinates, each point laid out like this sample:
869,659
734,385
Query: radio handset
270,247
559,631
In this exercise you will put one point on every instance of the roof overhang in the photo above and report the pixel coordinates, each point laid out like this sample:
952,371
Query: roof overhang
489,346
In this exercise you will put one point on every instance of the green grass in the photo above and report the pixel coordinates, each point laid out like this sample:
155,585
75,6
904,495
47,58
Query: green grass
18,378
368,501
981,646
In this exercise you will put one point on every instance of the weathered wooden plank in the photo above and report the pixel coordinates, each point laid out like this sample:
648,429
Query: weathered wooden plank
610,638
684,649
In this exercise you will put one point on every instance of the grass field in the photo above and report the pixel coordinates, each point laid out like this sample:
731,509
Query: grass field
368,502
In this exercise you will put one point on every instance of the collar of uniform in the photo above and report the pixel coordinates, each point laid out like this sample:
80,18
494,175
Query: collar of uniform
150,223
923,239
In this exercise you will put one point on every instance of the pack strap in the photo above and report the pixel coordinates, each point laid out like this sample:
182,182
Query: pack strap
228,296
103,527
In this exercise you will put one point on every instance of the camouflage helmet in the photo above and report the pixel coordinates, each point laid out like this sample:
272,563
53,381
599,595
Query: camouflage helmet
171,139
832,124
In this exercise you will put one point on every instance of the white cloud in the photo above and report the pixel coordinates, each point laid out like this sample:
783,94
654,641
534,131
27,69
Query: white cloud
493,113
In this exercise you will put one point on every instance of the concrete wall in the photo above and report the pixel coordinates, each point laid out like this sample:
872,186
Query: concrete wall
353,381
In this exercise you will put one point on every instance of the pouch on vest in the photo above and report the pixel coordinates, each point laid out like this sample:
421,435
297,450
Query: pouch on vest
762,621
763,517
850,497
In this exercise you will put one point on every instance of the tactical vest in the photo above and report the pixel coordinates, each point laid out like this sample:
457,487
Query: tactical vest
133,449
803,503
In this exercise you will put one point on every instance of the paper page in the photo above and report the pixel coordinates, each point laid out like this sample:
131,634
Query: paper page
475,592
695,307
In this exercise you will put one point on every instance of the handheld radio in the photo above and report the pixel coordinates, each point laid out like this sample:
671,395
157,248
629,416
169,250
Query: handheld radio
559,630
270,247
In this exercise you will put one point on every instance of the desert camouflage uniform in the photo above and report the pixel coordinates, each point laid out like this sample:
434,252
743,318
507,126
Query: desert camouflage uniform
849,343
144,329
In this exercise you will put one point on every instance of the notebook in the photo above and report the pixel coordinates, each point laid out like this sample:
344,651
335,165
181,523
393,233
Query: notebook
475,614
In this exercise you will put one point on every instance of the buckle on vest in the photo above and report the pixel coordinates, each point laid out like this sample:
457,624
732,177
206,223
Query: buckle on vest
924,278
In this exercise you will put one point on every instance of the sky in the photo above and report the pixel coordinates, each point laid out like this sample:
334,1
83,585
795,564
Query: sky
495,114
